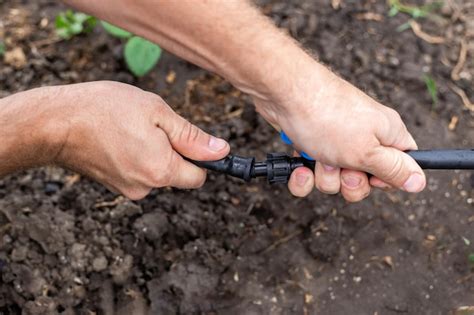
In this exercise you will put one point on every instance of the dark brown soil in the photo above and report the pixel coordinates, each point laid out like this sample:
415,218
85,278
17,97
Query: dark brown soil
68,246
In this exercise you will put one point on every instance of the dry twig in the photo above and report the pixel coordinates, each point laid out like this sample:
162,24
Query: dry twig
425,36
467,103
369,16
190,85
453,123
282,240
116,201
235,113
289,237
461,61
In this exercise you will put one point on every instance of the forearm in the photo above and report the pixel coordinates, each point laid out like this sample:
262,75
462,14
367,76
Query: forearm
29,133
230,38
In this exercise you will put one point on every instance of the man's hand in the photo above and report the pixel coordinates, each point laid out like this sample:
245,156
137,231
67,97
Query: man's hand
127,139
325,116
341,127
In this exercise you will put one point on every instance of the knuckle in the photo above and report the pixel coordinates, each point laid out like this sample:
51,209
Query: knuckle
199,181
170,169
366,158
156,101
158,107
162,174
189,133
394,115
371,158
166,175
396,170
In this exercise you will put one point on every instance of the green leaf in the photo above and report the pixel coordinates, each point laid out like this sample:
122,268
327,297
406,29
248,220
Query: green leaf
63,33
471,258
2,49
393,11
416,13
141,55
70,23
61,21
115,31
403,27
76,28
80,17
69,15
89,24
432,89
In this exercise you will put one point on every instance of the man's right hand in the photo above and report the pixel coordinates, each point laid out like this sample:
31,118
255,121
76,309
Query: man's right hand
125,138
348,133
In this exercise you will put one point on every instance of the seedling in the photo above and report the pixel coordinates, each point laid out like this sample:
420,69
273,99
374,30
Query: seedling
2,49
140,54
115,31
415,11
403,27
432,89
471,259
69,24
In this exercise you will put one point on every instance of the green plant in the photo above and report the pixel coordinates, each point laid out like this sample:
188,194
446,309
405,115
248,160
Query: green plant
403,27
140,54
432,89
471,258
2,48
415,11
115,31
69,24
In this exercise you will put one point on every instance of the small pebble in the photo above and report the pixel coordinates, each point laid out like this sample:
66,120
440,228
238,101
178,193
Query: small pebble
99,264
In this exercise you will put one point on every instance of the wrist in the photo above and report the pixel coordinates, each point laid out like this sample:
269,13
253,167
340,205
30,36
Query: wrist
294,94
32,131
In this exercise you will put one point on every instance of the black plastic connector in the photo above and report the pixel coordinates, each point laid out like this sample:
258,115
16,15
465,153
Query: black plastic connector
232,165
278,167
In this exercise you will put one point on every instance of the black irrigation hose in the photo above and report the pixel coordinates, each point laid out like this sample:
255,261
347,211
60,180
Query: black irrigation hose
278,167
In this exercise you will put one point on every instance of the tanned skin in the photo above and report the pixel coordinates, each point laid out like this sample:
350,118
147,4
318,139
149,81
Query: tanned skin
346,131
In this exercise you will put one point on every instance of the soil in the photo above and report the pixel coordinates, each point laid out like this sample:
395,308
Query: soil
68,246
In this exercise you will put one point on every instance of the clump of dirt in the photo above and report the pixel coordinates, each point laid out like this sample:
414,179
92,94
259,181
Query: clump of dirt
69,246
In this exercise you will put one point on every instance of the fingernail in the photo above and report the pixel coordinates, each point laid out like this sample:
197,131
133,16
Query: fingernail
301,179
217,144
328,168
351,181
414,183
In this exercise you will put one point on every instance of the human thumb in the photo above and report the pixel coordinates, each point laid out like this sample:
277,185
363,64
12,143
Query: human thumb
397,169
191,141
